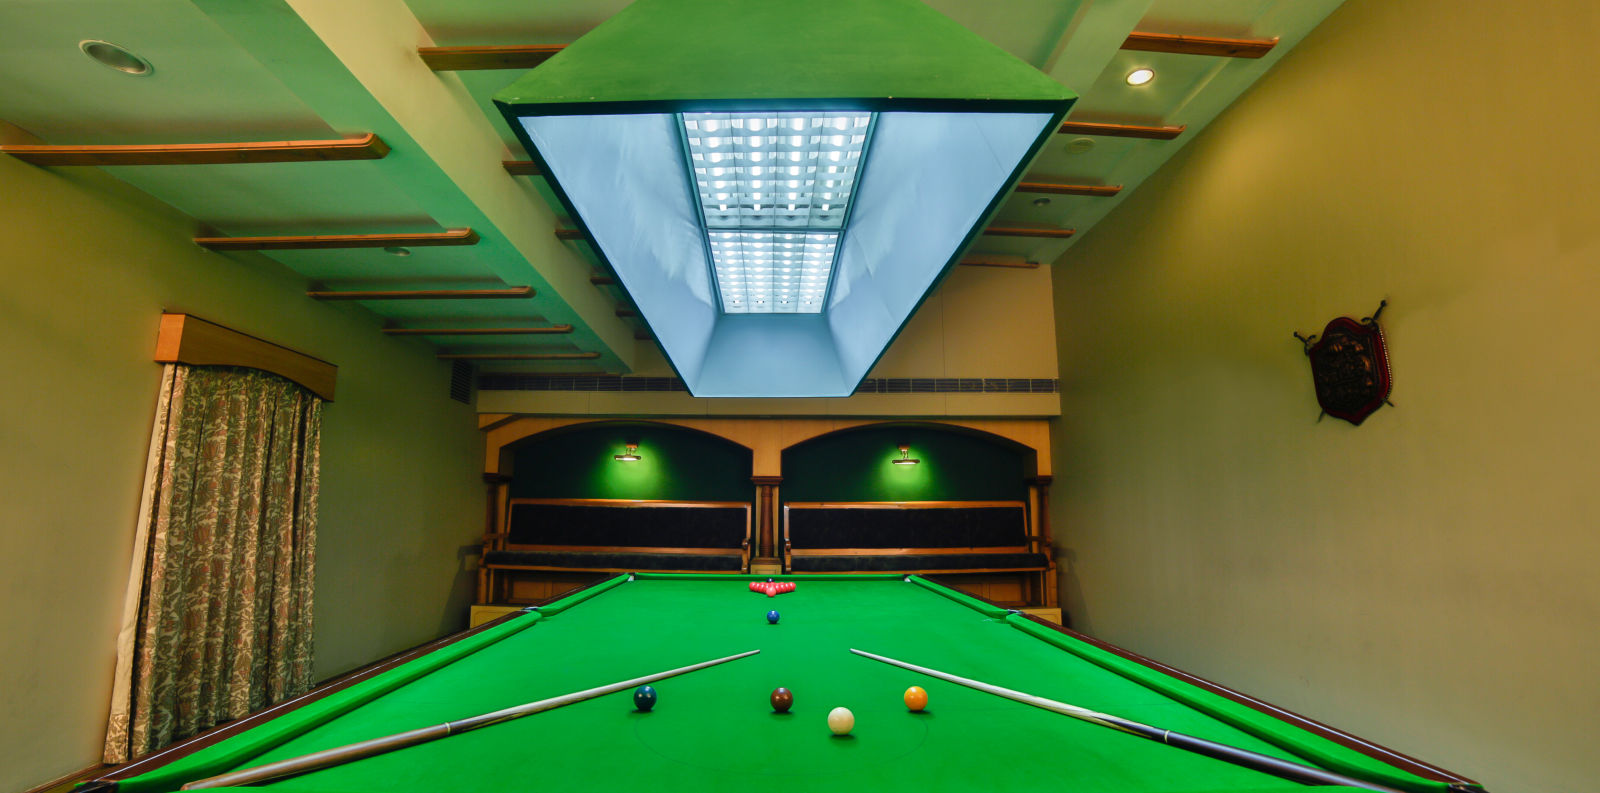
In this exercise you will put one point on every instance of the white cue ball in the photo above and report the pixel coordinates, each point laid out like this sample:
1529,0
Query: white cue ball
841,721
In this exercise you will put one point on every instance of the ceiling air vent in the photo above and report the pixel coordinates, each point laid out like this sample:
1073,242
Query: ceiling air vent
461,382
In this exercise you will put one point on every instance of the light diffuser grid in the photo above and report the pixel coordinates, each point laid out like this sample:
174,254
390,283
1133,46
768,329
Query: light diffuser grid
774,190
765,272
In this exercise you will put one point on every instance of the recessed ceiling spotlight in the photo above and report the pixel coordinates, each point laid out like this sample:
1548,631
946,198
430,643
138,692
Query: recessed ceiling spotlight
115,57
1041,202
1141,76
1079,145
396,250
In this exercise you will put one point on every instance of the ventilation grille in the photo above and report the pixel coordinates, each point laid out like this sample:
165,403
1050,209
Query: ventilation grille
461,381
882,385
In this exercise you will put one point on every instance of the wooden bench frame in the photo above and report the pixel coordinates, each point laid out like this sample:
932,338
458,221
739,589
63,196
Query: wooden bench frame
500,540
1037,582
1032,545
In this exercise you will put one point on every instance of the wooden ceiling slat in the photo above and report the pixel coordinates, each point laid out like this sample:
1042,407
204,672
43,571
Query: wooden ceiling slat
1199,45
1120,130
1029,231
328,241
459,59
365,147
569,234
1098,190
999,260
521,167
477,331
427,294
518,356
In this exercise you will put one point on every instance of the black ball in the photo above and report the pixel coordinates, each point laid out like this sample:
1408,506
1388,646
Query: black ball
644,698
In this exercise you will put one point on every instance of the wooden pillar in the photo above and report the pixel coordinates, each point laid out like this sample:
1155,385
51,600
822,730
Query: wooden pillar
766,528
495,484
1041,489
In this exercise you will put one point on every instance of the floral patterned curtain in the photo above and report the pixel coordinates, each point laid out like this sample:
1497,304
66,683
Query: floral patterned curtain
217,620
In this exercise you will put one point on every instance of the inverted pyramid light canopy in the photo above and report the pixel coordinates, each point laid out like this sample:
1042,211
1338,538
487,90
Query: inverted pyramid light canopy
954,120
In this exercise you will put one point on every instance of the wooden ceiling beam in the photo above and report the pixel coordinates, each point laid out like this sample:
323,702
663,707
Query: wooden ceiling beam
1097,190
328,241
1120,130
460,59
1029,231
478,331
365,147
569,234
999,260
427,294
1199,45
602,280
518,356
521,167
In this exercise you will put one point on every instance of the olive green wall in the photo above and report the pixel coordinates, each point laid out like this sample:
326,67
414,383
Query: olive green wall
854,465
88,265
1427,579
675,464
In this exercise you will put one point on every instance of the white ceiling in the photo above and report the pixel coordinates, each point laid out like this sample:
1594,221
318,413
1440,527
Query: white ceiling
316,69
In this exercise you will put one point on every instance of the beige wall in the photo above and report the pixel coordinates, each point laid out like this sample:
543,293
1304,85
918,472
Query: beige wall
1427,580
87,268
980,322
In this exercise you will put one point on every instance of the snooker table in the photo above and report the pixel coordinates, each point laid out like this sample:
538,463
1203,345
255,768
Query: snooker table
713,729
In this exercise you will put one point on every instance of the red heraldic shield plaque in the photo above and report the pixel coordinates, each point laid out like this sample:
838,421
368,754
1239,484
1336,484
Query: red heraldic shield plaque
1350,369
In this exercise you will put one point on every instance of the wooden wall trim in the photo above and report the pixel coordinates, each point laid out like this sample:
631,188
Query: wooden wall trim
900,504
630,502
766,438
188,339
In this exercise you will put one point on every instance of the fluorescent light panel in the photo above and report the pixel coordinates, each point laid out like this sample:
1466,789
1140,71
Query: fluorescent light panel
774,191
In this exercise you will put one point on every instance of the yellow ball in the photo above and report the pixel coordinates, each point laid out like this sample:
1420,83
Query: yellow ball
916,698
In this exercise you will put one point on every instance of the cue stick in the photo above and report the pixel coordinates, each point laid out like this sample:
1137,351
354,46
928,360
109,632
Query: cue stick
340,755
1297,772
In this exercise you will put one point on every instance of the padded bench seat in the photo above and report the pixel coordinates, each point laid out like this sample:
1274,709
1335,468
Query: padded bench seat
615,561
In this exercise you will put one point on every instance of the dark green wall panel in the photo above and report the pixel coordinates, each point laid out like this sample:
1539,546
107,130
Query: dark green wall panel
677,464
854,465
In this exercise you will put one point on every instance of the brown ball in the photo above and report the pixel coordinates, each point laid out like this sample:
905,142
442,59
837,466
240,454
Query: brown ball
782,699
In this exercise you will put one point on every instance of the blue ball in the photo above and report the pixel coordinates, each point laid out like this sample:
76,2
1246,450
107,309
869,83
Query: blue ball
772,617
644,698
